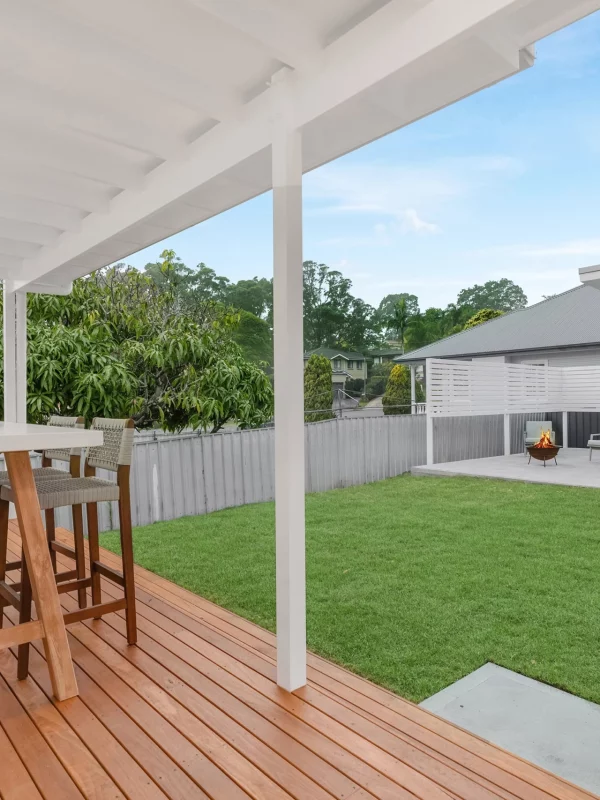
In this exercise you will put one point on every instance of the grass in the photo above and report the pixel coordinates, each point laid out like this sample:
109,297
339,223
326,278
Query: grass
415,582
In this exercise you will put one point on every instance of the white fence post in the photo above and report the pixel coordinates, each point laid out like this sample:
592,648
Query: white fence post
289,399
507,434
565,429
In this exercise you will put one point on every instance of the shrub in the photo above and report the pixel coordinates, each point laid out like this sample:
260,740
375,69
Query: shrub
378,379
484,315
318,388
354,385
396,399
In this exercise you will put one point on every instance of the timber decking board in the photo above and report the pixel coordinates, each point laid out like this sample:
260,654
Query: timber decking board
194,712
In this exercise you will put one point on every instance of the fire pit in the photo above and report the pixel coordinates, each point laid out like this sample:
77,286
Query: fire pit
544,450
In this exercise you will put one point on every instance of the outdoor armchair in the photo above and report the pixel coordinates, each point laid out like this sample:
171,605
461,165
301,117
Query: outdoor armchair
594,443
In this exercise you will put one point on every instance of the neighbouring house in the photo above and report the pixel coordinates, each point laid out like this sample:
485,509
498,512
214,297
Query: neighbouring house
562,331
345,366
386,354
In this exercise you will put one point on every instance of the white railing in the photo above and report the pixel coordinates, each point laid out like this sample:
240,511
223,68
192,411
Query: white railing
420,408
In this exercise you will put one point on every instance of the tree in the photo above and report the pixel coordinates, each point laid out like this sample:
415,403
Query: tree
318,388
254,295
333,317
502,295
386,307
399,320
122,345
484,315
397,399
255,338
378,378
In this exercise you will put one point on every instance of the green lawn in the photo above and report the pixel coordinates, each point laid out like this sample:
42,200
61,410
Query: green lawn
415,582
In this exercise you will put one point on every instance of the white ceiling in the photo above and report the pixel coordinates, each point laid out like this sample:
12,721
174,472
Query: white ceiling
125,121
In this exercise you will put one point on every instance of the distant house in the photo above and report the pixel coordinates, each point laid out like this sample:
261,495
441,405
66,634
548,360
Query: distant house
386,354
345,366
563,331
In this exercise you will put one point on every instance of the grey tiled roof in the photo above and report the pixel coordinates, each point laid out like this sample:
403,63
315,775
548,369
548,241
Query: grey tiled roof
570,319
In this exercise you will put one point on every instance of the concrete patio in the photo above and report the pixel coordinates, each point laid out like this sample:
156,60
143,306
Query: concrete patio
573,469
551,728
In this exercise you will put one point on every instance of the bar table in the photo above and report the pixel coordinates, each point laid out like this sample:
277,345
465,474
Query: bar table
16,440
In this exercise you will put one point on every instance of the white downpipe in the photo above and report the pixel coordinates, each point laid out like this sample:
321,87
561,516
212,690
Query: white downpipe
289,405
15,354
413,390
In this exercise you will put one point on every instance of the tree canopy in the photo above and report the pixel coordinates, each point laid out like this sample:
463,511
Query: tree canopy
502,295
397,396
124,343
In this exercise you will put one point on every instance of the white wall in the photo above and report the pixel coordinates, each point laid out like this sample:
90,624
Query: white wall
583,357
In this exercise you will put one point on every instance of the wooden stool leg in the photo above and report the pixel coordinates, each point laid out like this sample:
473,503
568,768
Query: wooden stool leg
127,552
4,506
43,583
94,547
51,534
79,552
24,616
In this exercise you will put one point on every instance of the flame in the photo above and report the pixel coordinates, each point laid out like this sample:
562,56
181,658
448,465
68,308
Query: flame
545,440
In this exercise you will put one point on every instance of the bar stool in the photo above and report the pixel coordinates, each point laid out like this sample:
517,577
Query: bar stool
114,455
45,472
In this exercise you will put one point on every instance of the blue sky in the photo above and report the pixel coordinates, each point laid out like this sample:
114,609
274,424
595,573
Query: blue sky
503,184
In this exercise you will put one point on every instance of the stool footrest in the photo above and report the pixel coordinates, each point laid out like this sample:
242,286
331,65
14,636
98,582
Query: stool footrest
94,611
9,595
21,634
109,572
11,566
63,549
71,586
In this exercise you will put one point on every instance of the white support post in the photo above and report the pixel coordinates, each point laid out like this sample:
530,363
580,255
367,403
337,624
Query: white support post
413,390
565,429
15,353
289,404
429,417
507,434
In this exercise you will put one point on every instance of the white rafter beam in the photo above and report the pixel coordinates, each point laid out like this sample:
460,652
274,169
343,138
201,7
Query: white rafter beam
381,46
281,33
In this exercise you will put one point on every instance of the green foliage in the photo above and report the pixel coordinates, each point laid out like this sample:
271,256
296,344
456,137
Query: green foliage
502,295
318,388
354,386
255,338
124,343
333,317
396,399
378,378
484,315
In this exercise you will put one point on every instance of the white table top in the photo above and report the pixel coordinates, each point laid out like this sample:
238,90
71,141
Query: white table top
16,436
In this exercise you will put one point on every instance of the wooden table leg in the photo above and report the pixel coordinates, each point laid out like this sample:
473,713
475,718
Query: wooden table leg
41,574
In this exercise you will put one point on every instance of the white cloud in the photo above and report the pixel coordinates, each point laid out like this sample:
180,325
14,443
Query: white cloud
410,196
412,222
578,247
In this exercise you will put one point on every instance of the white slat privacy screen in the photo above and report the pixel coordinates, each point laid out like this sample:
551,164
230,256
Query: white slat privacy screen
465,388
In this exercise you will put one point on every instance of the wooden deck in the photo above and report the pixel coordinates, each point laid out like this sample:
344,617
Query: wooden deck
194,712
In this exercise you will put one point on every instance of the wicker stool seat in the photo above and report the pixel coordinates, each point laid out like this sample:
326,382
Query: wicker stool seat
39,474
66,491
